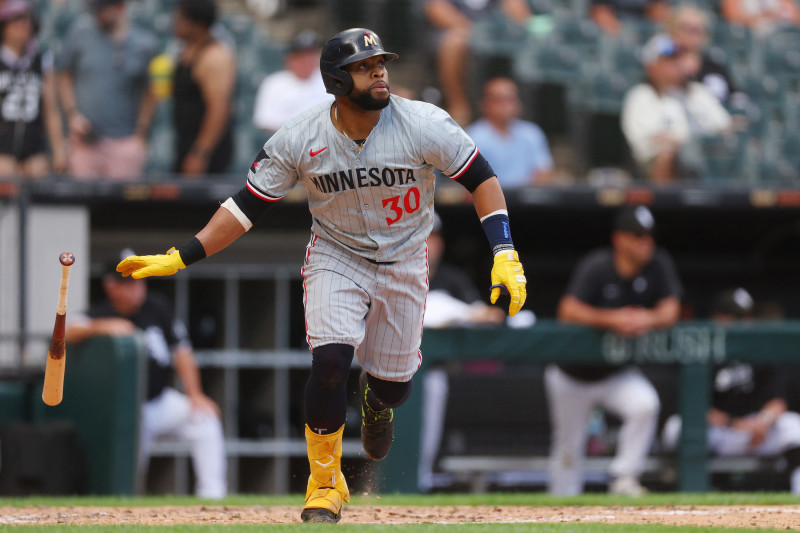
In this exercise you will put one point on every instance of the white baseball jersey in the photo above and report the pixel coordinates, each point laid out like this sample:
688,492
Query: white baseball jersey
377,201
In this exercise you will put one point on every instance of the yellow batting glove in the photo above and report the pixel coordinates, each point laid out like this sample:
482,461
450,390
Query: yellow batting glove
143,266
507,274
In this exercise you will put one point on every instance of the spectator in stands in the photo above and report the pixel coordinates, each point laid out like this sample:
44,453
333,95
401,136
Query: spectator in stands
29,116
194,417
661,115
452,21
298,86
749,414
103,82
203,86
611,15
630,289
518,148
688,28
761,15
453,300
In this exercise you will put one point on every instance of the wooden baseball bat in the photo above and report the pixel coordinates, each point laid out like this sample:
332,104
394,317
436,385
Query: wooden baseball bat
53,390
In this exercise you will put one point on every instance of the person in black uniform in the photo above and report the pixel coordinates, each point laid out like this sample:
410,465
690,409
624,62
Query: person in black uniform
631,288
29,116
203,85
129,307
750,414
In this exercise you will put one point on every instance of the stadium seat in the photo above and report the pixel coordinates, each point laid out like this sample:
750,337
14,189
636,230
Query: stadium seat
624,59
737,41
496,35
722,157
582,35
603,92
548,62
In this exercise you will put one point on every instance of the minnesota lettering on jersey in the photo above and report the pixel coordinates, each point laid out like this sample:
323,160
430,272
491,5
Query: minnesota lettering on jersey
361,177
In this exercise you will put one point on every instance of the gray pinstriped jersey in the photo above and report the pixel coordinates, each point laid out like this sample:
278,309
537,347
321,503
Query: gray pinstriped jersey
376,202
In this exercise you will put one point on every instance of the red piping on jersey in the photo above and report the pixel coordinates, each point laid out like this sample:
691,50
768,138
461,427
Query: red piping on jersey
466,165
305,294
260,194
425,303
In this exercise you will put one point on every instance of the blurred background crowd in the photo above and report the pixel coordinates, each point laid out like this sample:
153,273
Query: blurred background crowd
607,91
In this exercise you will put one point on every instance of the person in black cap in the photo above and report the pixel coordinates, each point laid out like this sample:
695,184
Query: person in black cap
750,415
189,415
297,87
630,288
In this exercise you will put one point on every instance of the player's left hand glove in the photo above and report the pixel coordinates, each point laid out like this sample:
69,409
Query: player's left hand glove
142,266
507,273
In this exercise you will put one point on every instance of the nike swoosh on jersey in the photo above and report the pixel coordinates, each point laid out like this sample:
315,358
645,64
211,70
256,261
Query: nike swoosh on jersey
312,153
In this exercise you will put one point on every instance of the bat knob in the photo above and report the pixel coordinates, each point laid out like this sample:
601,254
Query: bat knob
66,258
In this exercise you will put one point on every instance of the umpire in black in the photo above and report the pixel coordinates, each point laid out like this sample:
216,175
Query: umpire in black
630,288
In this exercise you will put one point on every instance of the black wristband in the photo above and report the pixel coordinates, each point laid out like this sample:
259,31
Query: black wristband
192,251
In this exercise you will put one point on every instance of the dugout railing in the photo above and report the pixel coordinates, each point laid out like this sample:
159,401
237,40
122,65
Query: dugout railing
246,301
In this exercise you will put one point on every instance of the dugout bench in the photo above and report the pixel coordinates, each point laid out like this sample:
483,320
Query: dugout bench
693,347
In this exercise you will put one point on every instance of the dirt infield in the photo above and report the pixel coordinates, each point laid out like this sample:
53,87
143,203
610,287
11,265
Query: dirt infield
764,516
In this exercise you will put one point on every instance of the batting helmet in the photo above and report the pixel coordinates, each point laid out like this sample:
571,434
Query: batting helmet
344,48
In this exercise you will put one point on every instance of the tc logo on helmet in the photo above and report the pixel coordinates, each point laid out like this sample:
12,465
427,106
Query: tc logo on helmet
369,39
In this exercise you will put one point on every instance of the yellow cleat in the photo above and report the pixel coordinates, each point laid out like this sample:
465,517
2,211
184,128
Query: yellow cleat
327,488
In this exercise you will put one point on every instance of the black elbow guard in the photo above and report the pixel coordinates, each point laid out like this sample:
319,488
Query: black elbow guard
476,173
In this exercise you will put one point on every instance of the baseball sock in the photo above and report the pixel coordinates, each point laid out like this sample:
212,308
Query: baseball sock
385,394
326,388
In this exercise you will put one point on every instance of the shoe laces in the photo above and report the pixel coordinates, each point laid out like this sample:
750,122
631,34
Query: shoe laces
374,419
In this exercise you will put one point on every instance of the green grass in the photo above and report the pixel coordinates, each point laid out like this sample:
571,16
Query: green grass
494,498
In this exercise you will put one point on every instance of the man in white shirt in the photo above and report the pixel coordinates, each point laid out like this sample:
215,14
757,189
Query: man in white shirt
299,86
661,115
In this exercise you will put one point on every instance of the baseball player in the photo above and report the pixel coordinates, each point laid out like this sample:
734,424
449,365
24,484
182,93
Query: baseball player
630,288
367,162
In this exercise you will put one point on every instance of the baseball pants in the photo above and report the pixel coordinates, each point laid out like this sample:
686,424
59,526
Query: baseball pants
728,442
627,394
171,415
375,307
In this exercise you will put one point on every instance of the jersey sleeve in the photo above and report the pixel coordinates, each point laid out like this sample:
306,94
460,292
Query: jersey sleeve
273,172
446,146
670,283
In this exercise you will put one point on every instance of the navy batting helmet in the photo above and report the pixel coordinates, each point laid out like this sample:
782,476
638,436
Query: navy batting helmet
344,48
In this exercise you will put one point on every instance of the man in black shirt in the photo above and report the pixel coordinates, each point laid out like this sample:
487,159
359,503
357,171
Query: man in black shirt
193,416
631,288
749,414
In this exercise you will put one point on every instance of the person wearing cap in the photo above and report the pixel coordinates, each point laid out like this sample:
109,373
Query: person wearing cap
662,114
203,86
629,289
105,94
29,116
130,308
285,93
749,414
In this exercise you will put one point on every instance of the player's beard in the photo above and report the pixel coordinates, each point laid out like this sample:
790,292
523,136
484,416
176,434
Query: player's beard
365,100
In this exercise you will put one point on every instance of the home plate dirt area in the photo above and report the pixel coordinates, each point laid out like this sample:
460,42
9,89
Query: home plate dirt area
757,516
